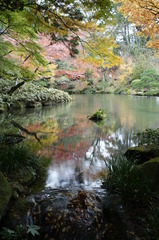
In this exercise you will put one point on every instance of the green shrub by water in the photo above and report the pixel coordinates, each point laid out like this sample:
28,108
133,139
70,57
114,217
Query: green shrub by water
148,79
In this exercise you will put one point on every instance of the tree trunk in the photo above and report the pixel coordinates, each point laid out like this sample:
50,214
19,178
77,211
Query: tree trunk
14,88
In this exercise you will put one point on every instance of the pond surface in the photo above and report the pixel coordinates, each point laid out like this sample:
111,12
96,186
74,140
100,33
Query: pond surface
79,148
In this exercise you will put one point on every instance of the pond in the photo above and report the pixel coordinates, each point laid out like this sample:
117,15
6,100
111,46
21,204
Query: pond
79,148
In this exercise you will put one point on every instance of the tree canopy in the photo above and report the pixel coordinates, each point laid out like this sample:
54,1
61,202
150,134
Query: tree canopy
20,21
145,15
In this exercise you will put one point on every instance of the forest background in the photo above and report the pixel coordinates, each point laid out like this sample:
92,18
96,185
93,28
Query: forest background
81,46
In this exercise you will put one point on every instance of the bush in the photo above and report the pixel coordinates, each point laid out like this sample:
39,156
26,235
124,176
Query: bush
148,79
120,90
142,63
90,81
102,86
71,86
150,73
88,73
44,83
136,84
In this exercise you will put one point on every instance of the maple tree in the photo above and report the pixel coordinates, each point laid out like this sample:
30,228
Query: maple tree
145,15
99,51
21,21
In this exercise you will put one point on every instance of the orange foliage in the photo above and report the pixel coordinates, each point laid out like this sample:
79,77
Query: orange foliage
145,15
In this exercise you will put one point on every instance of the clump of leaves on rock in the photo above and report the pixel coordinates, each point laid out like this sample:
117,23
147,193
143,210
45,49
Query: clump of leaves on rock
98,115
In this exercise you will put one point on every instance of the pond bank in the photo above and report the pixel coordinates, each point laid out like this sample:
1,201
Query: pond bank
29,95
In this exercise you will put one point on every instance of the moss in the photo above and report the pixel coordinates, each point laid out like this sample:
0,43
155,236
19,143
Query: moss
142,153
98,115
149,171
5,194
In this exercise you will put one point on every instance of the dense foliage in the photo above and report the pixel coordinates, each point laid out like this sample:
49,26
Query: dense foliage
21,21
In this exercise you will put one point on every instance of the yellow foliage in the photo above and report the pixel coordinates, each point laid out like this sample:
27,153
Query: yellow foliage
125,70
145,14
99,51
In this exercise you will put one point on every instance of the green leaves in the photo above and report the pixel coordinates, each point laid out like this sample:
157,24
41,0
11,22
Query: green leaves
19,232
33,230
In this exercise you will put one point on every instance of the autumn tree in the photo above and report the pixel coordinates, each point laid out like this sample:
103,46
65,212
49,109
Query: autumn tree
99,50
145,15
20,21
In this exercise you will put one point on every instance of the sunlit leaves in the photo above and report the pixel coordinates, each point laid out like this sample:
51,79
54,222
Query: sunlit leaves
100,51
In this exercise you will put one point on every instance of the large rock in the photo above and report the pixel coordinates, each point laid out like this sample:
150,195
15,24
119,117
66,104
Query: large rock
5,194
149,172
142,153
71,214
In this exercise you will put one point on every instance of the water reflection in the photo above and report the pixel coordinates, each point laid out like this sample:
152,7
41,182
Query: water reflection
78,147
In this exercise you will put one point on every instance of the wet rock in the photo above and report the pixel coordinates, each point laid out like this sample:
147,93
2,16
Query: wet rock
5,194
80,215
142,153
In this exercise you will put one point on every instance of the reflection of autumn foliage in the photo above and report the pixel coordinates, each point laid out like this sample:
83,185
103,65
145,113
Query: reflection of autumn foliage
74,142
47,133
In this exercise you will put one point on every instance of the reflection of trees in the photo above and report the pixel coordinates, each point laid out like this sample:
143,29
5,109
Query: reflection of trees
39,127
111,144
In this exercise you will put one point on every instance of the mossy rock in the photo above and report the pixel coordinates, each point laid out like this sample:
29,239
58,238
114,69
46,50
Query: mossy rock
149,172
142,153
5,194
98,115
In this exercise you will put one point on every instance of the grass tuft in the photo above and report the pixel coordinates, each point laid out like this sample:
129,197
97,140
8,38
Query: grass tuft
17,158
123,180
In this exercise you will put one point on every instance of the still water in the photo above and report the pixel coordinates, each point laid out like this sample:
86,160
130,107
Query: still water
79,148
